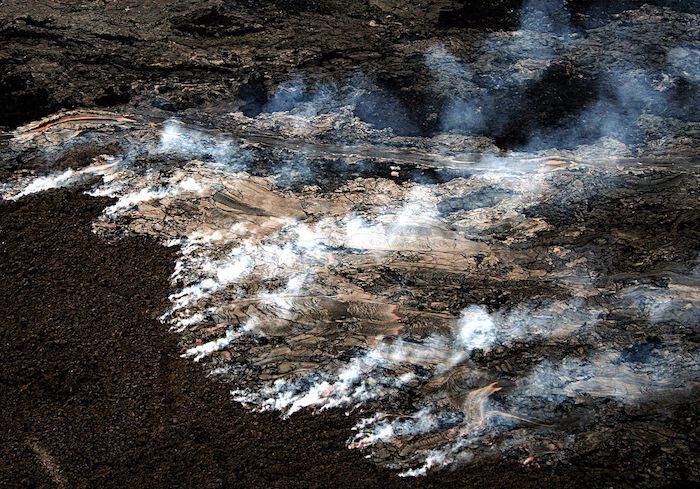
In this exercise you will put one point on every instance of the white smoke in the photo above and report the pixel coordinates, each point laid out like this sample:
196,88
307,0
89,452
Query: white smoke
58,180
177,139
476,328
201,351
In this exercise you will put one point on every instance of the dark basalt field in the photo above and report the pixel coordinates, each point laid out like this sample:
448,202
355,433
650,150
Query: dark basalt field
349,244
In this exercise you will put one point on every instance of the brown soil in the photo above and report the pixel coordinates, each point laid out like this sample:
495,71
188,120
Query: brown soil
95,393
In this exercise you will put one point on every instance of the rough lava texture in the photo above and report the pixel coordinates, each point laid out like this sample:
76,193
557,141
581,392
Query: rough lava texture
98,396
467,229
468,307
533,65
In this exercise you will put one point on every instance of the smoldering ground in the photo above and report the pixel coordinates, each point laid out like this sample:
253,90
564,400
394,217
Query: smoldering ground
510,303
269,270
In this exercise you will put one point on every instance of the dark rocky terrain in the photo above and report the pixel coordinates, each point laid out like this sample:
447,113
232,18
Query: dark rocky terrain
211,55
472,224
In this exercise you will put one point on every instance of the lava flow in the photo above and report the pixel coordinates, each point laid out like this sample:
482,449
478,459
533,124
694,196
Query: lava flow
463,309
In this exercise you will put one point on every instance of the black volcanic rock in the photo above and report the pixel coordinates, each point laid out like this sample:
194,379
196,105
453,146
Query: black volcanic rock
222,55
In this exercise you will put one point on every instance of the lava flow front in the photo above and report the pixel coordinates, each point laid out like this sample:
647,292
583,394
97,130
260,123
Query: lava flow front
461,304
